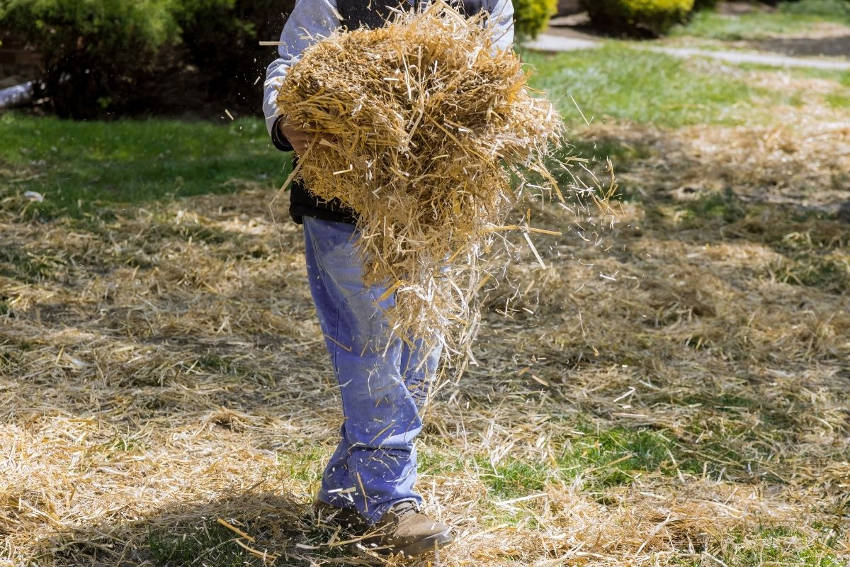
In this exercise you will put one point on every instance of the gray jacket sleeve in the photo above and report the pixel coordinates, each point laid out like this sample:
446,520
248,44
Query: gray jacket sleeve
309,22
502,20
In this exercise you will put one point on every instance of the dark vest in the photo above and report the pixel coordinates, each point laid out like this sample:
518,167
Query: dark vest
355,14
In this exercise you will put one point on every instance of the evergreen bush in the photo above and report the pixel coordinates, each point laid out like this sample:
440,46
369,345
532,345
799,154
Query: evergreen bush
638,17
221,39
94,52
532,16
121,57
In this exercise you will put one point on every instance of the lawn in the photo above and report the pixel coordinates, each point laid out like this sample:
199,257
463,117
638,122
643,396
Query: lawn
673,392
789,18
618,82
86,166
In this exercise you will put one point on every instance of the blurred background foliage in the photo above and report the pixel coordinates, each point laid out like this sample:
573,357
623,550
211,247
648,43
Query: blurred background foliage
113,58
103,58
532,16
652,17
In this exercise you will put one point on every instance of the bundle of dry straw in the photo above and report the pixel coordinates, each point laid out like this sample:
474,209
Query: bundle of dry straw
417,127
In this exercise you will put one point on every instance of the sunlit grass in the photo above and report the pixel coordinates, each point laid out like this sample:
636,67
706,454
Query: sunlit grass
81,167
688,411
617,82
789,18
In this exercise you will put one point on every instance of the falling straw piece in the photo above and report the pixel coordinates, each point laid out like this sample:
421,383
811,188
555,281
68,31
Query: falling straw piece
534,250
509,227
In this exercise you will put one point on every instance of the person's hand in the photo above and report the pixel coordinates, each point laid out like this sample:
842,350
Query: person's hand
299,139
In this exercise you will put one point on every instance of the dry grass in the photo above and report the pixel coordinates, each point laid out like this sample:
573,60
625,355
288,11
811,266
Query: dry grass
153,383
796,153
675,397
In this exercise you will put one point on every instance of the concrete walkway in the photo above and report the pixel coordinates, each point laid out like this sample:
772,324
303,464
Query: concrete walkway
551,42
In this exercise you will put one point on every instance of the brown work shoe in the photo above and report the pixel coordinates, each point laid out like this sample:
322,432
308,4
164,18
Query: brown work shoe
404,529
347,519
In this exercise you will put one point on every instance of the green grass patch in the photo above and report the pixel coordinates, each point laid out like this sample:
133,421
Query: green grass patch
723,448
121,445
721,401
513,477
616,456
602,459
617,82
619,151
712,208
207,544
789,18
28,267
827,273
816,253
302,463
829,10
84,167
432,461
228,366
705,212
841,78
782,545
838,99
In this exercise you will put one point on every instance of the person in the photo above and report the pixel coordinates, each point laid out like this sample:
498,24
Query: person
368,484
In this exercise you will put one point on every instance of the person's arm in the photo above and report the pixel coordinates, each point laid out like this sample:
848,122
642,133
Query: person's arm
502,20
310,21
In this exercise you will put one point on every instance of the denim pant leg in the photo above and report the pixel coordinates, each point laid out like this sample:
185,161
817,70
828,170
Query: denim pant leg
374,465
418,367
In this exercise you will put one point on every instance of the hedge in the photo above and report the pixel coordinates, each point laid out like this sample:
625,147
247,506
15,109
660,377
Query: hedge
638,17
94,52
129,57
532,16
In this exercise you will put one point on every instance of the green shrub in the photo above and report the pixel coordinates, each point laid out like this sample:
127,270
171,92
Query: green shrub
123,57
93,51
221,39
638,17
532,16
119,57
704,4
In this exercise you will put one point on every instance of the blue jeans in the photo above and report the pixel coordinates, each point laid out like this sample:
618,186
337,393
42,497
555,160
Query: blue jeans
383,380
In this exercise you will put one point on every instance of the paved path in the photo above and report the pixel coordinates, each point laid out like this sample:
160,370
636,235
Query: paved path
551,42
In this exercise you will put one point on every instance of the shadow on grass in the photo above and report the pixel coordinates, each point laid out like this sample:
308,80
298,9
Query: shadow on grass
276,529
16,263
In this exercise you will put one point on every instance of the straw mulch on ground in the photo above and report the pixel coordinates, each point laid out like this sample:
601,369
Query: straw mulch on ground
677,399
166,371
417,126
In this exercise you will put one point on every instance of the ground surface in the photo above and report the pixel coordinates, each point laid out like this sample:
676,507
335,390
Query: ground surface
671,394
811,33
